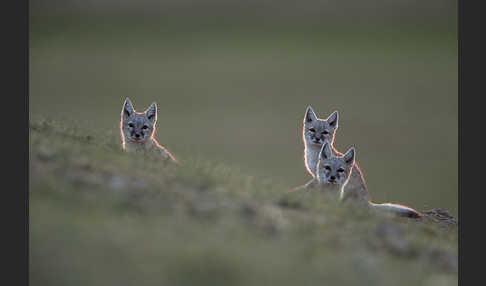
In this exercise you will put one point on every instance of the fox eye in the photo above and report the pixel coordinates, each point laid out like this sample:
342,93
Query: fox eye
312,130
145,127
130,125
340,170
325,132
327,168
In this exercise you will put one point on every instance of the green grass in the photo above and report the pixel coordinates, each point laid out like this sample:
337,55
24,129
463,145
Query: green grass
231,98
99,216
237,93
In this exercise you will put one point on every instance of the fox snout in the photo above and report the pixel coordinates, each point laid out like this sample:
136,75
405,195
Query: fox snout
331,180
317,140
136,135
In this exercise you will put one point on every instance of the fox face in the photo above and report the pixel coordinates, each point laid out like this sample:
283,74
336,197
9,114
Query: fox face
334,170
138,127
316,131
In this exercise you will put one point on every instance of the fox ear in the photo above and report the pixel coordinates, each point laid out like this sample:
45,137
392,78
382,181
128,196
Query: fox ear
127,109
349,156
333,119
326,151
151,112
309,115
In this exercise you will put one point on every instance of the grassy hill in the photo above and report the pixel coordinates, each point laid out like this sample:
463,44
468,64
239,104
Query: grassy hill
99,216
237,93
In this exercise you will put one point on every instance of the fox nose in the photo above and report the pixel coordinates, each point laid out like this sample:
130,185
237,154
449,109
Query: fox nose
316,139
332,178
137,135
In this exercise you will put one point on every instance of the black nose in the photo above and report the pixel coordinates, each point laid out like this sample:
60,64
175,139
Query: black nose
317,139
137,135
332,178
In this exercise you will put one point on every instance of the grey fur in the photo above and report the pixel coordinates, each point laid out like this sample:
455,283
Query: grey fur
138,129
325,130
333,172
339,173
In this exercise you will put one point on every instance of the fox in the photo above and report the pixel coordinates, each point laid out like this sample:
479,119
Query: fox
315,132
333,172
137,131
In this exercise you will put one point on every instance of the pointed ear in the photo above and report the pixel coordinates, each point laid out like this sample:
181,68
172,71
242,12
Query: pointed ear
151,112
309,115
127,109
349,156
333,119
326,151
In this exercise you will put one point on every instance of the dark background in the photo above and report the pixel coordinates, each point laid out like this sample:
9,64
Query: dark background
233,79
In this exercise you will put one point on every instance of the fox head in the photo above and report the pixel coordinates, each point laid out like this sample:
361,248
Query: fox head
136,126
334,169
316,131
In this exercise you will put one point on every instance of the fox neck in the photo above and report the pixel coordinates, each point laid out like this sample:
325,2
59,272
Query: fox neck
335,189
139,146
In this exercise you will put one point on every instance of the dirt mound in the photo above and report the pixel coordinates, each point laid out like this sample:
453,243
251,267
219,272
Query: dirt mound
441,216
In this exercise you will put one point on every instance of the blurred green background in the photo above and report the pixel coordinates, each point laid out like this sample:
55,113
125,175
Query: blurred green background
233,79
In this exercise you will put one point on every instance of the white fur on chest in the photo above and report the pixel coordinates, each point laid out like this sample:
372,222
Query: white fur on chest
311,157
